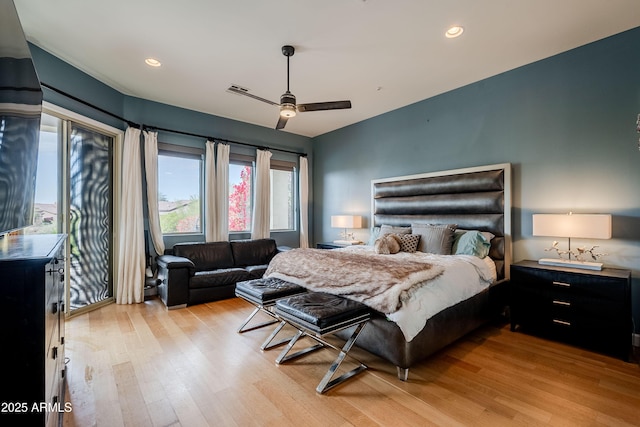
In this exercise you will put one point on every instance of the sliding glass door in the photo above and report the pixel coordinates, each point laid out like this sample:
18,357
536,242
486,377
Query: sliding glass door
90,222
74,195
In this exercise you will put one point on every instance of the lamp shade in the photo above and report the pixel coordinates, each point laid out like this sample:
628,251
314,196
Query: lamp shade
346,221
585,226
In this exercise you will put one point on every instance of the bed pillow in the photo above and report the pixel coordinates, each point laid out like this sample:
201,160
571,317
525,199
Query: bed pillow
471,242
408,242
386,229
435,238
373,236
387,244
459,232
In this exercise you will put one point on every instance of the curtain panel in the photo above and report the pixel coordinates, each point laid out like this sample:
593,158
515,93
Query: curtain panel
130,244
261,222
303,187
222,192
216,192
210,217
151,170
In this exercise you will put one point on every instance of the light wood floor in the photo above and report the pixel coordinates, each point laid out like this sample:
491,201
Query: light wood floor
141,365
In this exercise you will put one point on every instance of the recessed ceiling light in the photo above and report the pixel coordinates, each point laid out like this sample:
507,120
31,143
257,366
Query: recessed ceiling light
453,32
152,62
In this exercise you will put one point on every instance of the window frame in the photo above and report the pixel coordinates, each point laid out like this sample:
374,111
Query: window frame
191,153
287,166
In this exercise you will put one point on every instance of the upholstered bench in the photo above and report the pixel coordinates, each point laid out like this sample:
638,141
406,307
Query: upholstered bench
262,294
316,314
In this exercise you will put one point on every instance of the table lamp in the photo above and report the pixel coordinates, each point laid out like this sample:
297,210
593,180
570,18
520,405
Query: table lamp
346,222
583,226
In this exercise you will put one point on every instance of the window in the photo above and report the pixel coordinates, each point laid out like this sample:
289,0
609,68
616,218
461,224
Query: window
179,190
282,196
240,195
46,219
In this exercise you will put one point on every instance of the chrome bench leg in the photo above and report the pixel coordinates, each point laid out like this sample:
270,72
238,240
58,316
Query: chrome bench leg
326,383
283,357
266,345
242,328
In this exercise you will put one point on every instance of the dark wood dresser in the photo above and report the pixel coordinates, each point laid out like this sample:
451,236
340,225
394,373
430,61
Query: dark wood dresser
588,308
32,306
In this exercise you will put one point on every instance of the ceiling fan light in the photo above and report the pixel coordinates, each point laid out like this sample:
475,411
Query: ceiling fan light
288,110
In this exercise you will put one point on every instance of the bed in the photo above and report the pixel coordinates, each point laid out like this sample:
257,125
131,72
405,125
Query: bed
474,199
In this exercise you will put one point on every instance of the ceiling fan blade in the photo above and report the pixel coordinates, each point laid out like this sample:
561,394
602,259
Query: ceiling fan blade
319,106
281,122
234,89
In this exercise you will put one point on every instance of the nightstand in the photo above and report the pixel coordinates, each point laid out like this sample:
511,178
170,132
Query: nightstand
330,245
591,309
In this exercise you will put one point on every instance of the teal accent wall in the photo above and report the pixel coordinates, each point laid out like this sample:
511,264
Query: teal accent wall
66,78
567,124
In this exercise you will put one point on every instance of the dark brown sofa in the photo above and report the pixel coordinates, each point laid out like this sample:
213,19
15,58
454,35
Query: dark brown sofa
200,272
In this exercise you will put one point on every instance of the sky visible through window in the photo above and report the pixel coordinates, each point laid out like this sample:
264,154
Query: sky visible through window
176,178
177,174
47,188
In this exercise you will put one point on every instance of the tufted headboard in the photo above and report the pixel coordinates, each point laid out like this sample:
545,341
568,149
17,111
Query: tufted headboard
476,198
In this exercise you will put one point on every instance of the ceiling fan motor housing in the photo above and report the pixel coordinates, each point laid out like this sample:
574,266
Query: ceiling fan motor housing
288,98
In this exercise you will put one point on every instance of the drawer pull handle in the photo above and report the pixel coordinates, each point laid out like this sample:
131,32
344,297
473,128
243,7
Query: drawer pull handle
566,303
561,322
566,285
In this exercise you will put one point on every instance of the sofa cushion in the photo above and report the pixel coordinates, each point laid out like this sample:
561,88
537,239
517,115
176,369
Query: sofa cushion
220,277
253,252
206,256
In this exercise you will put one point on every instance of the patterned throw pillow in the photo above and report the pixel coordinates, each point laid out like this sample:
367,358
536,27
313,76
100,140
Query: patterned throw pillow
409,242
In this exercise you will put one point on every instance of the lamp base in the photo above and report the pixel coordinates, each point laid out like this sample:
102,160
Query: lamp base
559,262
347,242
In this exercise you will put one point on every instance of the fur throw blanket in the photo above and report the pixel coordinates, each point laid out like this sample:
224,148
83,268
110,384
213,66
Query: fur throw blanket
381,282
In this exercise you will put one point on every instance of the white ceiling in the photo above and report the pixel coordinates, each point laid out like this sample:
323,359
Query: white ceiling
380,54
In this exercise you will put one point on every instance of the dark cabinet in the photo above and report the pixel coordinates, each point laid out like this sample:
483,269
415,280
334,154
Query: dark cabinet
587,308
32,306
330,245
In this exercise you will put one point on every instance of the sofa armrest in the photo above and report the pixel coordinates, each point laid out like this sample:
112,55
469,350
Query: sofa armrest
172,261
173,276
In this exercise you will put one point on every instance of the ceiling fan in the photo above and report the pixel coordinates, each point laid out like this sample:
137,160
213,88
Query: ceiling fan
288,106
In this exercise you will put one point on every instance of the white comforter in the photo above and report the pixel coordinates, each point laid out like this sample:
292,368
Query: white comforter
464,277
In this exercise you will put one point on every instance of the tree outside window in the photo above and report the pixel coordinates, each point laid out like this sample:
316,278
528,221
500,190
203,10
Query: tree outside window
240,197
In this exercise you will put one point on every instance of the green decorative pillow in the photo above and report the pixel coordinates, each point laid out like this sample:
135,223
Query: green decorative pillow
375,233
471,242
